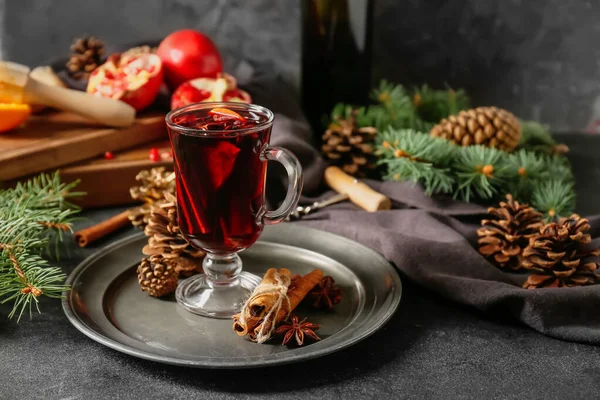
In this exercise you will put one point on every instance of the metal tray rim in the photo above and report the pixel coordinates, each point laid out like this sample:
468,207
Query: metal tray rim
385,315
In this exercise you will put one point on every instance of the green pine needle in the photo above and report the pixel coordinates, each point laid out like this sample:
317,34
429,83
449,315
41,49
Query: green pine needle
525,169
554,198
481,171
29,213
537,137
434,105
559,168
413,156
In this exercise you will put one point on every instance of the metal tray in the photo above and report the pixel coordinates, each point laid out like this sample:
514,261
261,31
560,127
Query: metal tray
107,305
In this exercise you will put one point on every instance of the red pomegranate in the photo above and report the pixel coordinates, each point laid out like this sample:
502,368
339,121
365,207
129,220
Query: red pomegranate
188,54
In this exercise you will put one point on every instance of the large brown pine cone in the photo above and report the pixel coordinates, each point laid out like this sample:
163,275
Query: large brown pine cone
165,238
559,255
503,237
488,126
86,55
157,276
153,185
349,146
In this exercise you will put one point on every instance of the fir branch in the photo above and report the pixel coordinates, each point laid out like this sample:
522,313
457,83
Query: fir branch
43,191
434,105
29,213
413,156
537,137
525,169
394,107
554,198
559,168
480,171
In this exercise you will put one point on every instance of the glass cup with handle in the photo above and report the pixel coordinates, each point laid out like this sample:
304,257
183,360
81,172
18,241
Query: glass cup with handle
220,154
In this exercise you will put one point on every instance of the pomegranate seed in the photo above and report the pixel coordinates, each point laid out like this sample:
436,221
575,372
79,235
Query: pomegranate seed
154,154
155,157
109,155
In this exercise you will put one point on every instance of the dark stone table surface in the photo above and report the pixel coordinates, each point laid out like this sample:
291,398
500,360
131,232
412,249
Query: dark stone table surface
430,349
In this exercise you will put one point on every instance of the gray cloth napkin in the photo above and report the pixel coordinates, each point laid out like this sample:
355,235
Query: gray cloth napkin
432,241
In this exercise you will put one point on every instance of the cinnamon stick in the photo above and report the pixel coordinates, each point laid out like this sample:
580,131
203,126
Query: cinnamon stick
262,303
98,231
257,319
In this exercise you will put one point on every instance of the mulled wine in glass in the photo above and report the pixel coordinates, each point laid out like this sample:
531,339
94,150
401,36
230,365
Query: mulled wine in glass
220,152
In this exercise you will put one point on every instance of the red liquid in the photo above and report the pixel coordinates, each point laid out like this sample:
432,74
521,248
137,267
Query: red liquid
220,180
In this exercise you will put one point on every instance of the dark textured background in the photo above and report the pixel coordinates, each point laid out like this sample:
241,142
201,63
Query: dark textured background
538,58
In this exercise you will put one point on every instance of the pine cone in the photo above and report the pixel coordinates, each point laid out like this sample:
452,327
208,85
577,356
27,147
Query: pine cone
166,239
157,276
154,184
488,126
86,55
503,238
559,257
350,147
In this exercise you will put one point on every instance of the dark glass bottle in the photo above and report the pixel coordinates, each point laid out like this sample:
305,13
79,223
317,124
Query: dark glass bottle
336,55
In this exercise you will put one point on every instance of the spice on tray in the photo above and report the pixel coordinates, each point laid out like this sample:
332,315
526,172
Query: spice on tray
298,330
272,301
325,295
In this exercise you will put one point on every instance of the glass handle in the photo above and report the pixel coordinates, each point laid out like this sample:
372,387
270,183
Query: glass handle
295,181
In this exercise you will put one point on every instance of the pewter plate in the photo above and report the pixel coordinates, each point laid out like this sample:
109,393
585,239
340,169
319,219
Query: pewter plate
107,305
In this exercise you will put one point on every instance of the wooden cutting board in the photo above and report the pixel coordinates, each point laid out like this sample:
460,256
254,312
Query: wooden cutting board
107,182
56,139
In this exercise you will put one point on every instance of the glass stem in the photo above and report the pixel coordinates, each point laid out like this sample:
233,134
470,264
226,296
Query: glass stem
222,270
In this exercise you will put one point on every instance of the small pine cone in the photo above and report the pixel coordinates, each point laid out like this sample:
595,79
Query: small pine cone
153,185
503,237
86,55
559,257
157,276
488,126
165,237
349,146
139,216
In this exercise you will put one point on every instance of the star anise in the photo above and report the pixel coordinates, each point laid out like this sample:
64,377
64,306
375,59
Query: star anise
326,294
299,330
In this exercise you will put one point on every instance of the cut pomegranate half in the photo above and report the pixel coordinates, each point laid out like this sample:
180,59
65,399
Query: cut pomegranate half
224,88
132,78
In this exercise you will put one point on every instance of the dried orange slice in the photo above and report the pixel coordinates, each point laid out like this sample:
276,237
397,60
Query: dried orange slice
224,114
12,115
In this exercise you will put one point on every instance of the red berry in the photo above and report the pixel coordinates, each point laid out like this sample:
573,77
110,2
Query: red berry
154,157
109,155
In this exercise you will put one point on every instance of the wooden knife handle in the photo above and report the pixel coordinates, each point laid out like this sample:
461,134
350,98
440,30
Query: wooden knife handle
358,192
100,109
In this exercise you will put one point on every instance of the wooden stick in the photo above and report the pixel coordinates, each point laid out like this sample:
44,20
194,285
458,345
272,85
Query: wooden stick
98,231
359,193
